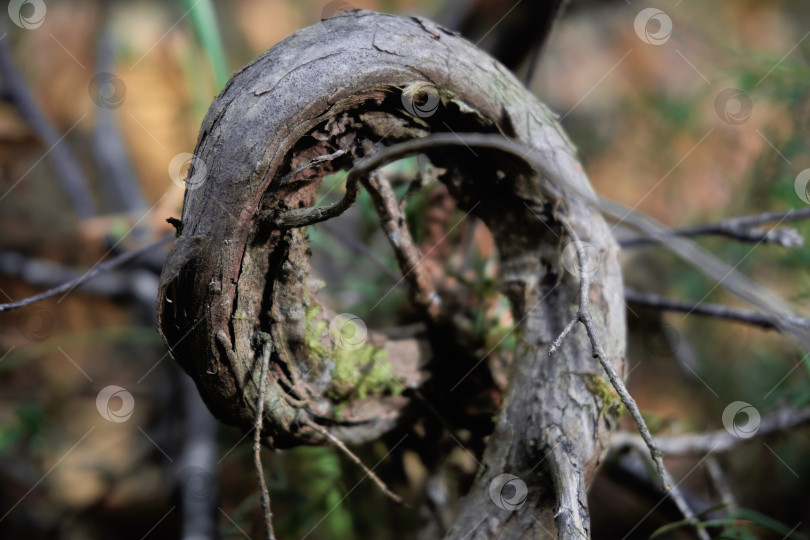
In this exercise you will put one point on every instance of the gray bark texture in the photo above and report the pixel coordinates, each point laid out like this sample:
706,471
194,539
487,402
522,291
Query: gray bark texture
238,278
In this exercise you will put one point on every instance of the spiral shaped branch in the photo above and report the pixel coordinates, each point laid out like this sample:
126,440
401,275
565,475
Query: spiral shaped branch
353,93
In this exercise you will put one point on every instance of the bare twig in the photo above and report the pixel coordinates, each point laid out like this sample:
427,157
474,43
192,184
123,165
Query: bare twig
66,165
139,283
744,229
721,440
103,267
257,445
710,310
392,219
583,316
351,455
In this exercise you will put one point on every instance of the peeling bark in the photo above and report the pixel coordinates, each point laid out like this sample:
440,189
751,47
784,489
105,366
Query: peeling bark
237,278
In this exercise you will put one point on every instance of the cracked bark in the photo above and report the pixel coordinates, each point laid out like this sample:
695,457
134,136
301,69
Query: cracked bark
235,280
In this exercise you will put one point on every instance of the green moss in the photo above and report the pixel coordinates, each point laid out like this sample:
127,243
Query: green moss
599,387
357,373
314,334
361,372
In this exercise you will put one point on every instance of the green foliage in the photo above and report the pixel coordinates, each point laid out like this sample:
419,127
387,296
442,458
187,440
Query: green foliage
25,430
308,490
739,525
675,112
204,19
316,486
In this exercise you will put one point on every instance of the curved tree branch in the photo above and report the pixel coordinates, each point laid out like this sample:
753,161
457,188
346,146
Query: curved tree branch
362,88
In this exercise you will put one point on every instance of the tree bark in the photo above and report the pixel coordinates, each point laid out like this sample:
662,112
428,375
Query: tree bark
237,277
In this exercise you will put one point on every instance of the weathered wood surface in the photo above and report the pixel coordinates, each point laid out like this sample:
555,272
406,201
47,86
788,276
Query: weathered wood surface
234,280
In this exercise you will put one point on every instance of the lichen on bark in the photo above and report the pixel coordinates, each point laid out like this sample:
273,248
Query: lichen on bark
355,371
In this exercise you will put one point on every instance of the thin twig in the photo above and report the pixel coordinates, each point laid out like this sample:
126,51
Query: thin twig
351,455
583,315
257,445
103,267
744,229
135,283
395,226
709,310
721,440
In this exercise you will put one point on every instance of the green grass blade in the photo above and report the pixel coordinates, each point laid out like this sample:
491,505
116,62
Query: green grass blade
204,19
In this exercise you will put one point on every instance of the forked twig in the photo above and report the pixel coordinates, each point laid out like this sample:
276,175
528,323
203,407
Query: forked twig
718,311
257,445
583,315
743,229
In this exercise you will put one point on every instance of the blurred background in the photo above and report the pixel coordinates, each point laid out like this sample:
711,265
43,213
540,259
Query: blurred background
692,112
